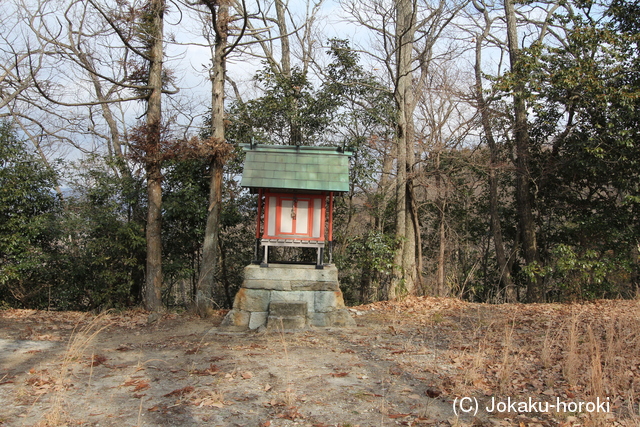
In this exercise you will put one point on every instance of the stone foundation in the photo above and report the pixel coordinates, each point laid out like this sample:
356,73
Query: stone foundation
288,296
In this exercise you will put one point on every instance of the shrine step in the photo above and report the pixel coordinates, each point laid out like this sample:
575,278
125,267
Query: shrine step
287,315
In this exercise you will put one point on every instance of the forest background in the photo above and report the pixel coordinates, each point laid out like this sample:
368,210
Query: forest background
495,146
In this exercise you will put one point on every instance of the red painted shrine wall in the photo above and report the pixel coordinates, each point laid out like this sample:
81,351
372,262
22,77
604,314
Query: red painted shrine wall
294,216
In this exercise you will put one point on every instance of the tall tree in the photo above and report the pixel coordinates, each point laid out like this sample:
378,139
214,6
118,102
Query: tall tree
484,110
210,249
408,32
220,20
404,260
153,27
524,196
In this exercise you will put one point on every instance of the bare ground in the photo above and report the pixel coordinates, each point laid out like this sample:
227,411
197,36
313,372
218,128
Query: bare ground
405,363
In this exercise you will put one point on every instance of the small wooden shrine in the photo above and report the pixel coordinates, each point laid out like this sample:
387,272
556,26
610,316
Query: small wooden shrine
293,184
295,187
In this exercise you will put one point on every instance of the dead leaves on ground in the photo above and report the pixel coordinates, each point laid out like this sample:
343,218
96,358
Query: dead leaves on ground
190,395
180,392
211,370
446,347
137,384
97,360
213,399
464,349
41,381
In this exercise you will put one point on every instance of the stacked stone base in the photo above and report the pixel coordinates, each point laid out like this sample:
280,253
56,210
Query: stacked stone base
289,297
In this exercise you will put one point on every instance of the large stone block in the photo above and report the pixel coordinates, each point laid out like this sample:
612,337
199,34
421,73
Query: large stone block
295,322
291,296
288,309
252,299
257,319
319,320
271,284
291,272
336,318
328,301
236,318
313,285
340,318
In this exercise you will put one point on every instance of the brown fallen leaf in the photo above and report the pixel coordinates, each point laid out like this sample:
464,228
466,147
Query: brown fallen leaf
142,385
180,391
97,360
433,392
272,402
130,382
290,414
138,384
208,402
339,374
394,416
211,370
192,350
247,375
372,394
124,347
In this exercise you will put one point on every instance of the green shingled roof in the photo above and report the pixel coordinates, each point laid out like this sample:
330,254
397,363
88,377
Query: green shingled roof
295,168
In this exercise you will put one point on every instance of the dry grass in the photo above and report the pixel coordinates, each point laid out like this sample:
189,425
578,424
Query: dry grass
546,352
77,348
509,361
290,396
475,375
574,352
572,359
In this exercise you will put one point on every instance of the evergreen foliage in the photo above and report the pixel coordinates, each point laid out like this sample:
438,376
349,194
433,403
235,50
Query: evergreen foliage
29,230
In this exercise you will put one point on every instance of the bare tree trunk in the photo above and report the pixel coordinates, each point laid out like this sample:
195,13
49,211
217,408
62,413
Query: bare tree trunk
153,295
405,29
385,188
415,220
496,229
285,54
115,145
409,251
442,236
211,247
524,198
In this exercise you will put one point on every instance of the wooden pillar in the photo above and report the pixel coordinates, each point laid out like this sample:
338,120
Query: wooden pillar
330,227
258,231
